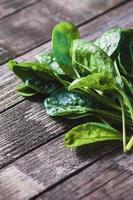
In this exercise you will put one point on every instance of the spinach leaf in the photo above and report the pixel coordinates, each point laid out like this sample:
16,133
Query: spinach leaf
99,81
49,59
129,146
23,73
121,68
90,133
31,80
126,101
128,86
88,58
26,91
29,69
59,74
63,35
63,103
42,86
126,51
109,41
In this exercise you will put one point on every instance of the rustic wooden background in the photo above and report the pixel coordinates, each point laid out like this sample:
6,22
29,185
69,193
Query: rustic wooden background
34,164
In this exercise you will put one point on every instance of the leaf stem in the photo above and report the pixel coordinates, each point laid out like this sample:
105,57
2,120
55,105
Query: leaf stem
129,144
123,124
127,102
113,116
103,100
105,122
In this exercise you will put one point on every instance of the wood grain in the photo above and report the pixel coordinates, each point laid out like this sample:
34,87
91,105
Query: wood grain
120,17
9,83
110,178
32,26
8,7
44,167
25,127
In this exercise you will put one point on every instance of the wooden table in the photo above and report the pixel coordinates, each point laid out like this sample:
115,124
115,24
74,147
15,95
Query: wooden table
34,164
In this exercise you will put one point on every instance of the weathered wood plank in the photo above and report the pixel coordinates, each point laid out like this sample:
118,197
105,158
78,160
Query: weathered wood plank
25,127
44,167
108,179
32,26
120,17
9,83
8,7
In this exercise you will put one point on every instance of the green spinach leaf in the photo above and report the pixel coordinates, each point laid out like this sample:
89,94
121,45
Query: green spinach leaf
109,41
31,80
88,58
128,86
49,59
31,69
99,81
23,73
90,133
42,86
63,35
59,74
63,103
26,91
126,51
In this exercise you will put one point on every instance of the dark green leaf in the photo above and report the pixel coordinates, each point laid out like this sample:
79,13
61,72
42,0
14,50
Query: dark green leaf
42,86
49,59
109,41
29,77
55,68
90,133
22,72
126,101
126,51
87,57
63,35
26,91
31,69
53,65
99,81
128,86
65,103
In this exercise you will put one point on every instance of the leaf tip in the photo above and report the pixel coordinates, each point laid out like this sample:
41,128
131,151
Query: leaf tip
11,64
68,141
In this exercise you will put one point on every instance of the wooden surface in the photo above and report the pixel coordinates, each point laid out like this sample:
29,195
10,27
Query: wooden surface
31,27
109,178
8,7
34,164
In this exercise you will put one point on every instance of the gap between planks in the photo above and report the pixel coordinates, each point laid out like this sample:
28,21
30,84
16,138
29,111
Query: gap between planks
9,8
47,166
107,179
75,173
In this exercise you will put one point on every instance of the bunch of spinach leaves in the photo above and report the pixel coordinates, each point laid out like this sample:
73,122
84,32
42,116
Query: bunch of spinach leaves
84,78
